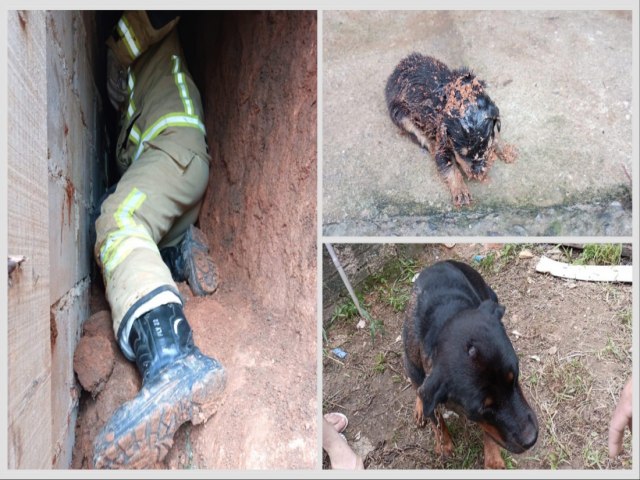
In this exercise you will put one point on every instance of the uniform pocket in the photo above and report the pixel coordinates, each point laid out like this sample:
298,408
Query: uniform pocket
181,156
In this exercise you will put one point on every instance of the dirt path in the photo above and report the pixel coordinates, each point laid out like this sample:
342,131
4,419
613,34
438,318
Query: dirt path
573,340
263,420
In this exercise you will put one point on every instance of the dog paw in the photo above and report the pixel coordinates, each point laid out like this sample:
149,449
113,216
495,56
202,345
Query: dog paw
418,414
444,449
462,198
494,463
508,153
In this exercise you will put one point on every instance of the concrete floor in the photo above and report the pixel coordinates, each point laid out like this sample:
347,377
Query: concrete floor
563,83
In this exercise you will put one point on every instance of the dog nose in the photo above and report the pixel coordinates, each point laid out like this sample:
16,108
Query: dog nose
530,433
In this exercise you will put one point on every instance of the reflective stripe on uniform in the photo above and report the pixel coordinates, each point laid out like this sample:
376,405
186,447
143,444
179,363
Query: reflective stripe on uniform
168,120
182,86
129,37
129,236
134,134
173,119
131,109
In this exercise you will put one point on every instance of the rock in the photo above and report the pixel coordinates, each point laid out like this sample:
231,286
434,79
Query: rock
525,254
99,324
93,362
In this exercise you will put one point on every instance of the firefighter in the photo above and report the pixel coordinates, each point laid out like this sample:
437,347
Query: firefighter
146,240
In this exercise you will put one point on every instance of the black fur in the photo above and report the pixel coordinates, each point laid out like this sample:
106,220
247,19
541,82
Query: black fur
451,112
454,325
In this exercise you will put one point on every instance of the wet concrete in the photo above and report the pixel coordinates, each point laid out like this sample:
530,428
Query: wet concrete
563,83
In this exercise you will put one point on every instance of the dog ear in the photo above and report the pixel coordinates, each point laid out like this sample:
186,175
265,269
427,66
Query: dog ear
433,391
494,309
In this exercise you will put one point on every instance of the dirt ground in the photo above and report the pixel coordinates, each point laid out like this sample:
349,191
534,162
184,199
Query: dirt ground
573,340
269,388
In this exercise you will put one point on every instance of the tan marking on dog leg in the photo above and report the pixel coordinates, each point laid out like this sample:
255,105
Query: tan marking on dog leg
459,192
464,165
443,442
418,413
492,458
506,152
411,127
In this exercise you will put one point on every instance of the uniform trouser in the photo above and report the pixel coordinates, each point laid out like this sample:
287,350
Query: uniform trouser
154,203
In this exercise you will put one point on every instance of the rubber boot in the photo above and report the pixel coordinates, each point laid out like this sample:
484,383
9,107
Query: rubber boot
190,261
180,384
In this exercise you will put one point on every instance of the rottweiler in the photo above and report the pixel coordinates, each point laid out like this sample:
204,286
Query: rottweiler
449,113
457,353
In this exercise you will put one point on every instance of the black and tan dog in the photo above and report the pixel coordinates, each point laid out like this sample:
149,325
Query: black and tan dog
449,113
457,353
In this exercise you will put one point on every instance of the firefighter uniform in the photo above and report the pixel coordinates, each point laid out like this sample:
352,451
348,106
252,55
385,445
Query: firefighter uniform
162,153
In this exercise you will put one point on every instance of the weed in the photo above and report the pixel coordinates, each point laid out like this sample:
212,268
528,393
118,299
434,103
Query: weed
611,349
408,270
509,462
573,379
600,254
533,379
347,309
375,326
556,459
380,363
511,251
398,299
625,317
594,457
488,262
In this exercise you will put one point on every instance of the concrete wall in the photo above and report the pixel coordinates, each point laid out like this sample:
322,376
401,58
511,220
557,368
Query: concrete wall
359,261
75,172
29,354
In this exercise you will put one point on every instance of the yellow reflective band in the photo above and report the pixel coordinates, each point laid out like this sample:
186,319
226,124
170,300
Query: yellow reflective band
134,135
131,109
127,246
129,236
115,238
169,120
124,213
182,86
130,40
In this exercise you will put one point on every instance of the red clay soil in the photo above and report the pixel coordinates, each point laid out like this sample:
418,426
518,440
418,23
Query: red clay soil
258,83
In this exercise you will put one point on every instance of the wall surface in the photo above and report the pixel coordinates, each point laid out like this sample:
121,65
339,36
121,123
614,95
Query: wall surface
55,178
258,83
29,350
75,169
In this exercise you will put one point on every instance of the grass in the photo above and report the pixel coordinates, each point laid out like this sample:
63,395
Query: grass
594,455
347,309
611,349
600,254
380,363
625,317
493,262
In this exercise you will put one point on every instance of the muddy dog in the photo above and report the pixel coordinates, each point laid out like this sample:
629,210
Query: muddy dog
457,353
448,113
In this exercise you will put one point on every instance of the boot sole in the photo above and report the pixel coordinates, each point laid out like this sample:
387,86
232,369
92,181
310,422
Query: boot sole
140,432
200,269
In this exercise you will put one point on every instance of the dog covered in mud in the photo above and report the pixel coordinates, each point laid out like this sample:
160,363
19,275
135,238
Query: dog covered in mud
449,113
457,353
